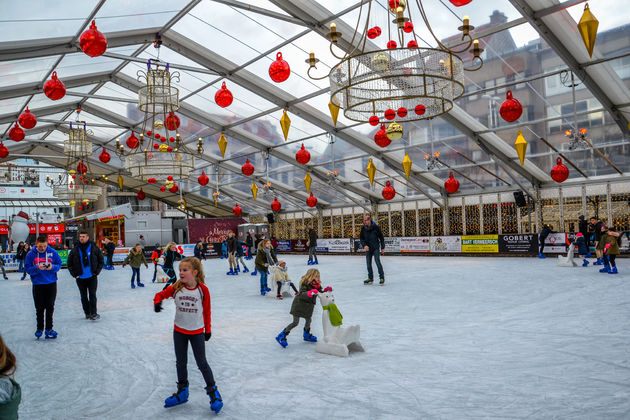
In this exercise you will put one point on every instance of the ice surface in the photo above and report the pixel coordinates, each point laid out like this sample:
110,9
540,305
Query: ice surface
447,337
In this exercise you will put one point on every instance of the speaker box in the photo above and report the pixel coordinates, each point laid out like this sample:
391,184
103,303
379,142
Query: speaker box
519,198
270,218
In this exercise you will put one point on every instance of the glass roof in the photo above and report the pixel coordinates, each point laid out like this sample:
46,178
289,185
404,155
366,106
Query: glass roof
515,59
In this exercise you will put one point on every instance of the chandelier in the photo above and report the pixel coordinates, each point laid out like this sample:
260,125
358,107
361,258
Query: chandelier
158,152
405,82
578,140
77,143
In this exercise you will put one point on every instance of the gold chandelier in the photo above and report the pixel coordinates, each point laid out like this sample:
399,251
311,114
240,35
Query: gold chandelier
404,82
158,152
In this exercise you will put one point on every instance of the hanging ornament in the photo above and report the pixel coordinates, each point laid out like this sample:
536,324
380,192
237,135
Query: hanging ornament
391,45
371,33
132,141
81,168
511,109
380,62
395,4
388,192
4,151
380,137
412,44
420,109
303,155
451,185
521,146
247,168
92,41
254,189
334,112
371,171
307,182
559,173
378,30
27,119
73,203
203,179
588,29
54,88
141,195
104,156
311,201
174,188
275,205
394,131
169,184
151,180
460,3
406,163
408,27
279,70
237,210
16,133
162,188
158,124
402,112
390,114
223,97
374,120
222,144
172,121
80,208
285,123
120,182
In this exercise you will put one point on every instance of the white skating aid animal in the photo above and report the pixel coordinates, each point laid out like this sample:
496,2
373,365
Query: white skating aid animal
161,276
338,340
568,260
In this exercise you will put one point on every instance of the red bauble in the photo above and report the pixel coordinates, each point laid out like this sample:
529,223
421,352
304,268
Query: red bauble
390,114
451,185
172,122
4,152
279,70
381,137
412,44
371,33
80,208
559,173
157,135
104,156
132,141
174,188
275,205
151,180
420,109
54,88
162,188
388,192
378,30
203,179
237,210
247,168
223,97
92,41
169,178
402,112
511,109
311,201
156,146
169,149
27,119
459,3
393,4
162,139
141,195
16,133
408,27
391,45
81,168
373,120
302,155
172,139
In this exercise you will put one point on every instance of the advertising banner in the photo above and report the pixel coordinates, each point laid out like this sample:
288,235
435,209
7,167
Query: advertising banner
47,228
10,263
556,242
63,254
212,230
284,245
518,244
445,244
419,244
334,245
120,254
392,244
54,238
186,250
480,243
299,245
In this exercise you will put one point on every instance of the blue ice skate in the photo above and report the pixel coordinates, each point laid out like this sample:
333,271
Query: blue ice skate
255,272
308,336
140,284
38,334
50,334
315,262
309,262
606,269
282,338
600,261
613,271
245,270
540,255
180,397
230,273
133,286
216,403
585,263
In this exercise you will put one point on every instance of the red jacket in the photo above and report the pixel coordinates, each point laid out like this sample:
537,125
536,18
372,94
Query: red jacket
192,308
156,256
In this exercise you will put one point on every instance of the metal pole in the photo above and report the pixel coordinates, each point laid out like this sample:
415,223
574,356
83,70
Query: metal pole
499,215
481,215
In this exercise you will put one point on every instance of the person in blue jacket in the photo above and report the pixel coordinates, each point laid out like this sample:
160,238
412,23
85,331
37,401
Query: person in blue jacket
582,249
42,263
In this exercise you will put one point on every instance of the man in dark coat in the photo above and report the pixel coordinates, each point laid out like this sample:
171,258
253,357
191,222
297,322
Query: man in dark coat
583,229
544,233
312,247
85,263
372,241
110,247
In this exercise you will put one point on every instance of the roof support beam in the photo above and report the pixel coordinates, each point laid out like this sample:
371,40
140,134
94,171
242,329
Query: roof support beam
38,87
261,11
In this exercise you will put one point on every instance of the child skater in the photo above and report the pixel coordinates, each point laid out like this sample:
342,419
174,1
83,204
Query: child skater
303,306
155,257
281,276
265,258
192,324
239,257
135,259
580,243
10,392
610,250
170,256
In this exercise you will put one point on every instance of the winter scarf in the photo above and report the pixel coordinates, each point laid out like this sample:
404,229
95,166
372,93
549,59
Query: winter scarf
334,314
85,256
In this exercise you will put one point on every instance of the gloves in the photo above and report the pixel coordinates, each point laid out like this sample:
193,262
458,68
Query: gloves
328,289
207,336
606,248
158,307
312,292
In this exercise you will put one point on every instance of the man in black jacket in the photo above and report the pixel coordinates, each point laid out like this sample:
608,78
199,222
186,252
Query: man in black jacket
583,229
372,241
85,262
312,247
546,230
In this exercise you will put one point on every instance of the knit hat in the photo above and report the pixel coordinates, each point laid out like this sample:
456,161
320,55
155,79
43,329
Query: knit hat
579,234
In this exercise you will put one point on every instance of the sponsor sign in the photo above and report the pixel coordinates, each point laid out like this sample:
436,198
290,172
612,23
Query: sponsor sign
186,250
392,244
10,263
518,244
120,254
299,245
445,244
556,242
213,230
63,254
334,245
284,245
480,243
47,228
54,238
419,244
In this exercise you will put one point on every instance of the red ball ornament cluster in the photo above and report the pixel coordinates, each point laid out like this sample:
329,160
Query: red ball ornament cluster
451,185
560,172
27,119
174,188
54,88
16,133
275,205
104,156
133,142
380,138
92,41
388,192
237,210
247,168
81,168
151,180
374,32
223,97
4,152
279,70
203,179
303,155
311,201
172,121
141,195
511,109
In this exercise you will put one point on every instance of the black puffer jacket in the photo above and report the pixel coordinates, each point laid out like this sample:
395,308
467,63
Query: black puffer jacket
312,238
170,257
74,260
372,236
303,305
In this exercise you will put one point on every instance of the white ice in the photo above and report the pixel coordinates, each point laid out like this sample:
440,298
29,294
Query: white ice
446,337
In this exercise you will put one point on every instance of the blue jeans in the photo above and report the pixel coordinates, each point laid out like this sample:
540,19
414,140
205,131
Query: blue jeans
263,280
21,266
376,253
134,272
108,261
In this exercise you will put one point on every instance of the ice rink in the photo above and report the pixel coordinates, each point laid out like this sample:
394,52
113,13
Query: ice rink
445,338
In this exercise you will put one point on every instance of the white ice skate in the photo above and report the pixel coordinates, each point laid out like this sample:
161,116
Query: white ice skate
337,340
568,260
